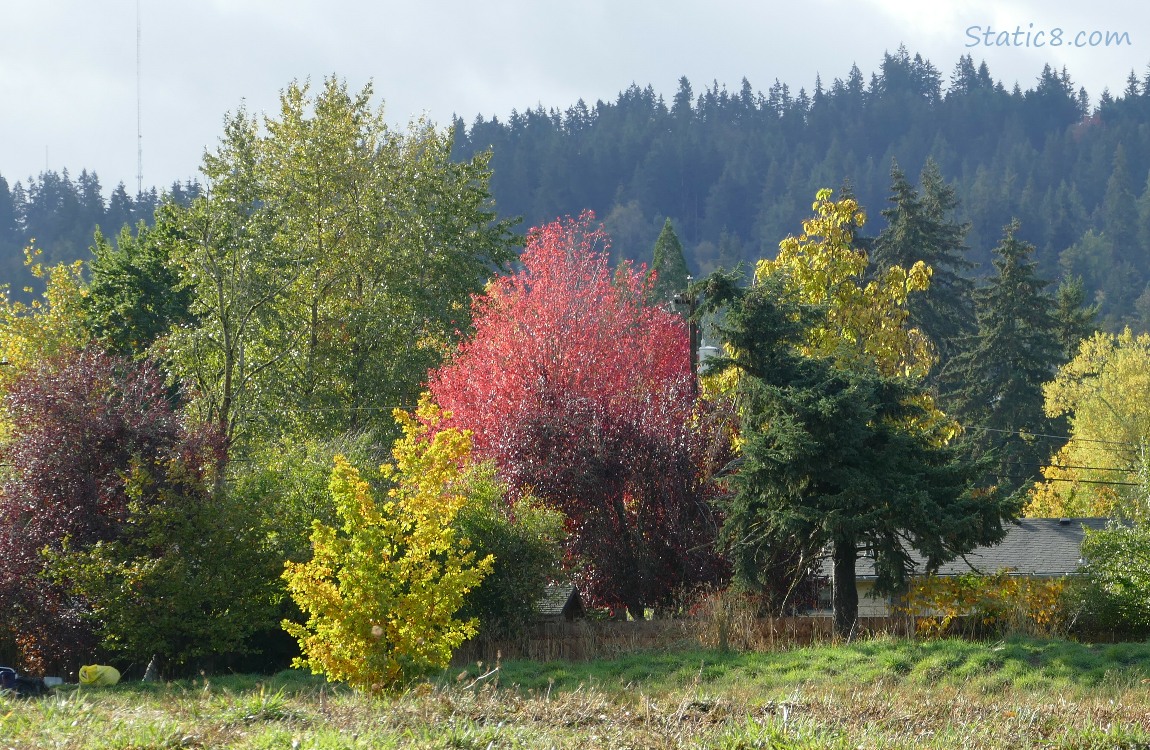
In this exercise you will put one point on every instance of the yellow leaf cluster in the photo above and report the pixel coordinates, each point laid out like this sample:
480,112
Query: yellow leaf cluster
866,321
381,593
1105,394
30,332
1002,601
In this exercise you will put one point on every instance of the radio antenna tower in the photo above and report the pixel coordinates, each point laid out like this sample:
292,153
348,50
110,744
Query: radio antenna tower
139,131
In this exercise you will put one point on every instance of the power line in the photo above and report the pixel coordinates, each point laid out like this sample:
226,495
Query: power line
1050,437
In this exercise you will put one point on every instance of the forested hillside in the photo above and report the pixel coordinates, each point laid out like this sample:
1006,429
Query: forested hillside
735,170
59,216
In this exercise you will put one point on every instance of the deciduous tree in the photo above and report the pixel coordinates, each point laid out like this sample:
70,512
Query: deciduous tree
865,324
581,392
332,260
381,593
1104,393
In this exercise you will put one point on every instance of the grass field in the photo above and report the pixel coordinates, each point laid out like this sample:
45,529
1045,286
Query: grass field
883,693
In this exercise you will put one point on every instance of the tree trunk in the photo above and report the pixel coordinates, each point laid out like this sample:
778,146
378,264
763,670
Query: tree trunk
845,594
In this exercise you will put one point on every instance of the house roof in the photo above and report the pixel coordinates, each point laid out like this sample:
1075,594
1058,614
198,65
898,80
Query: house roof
1032,547
556,597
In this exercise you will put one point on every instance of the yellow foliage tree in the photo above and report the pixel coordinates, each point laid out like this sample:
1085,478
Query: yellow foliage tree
381,593
865,322
1105,393
33,331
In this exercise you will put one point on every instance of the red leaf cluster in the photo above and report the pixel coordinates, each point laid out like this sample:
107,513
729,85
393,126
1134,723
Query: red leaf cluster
582,393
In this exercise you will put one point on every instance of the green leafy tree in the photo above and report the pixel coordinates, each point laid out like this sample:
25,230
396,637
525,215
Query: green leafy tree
134,296
33,332
997,380
828,460
332,260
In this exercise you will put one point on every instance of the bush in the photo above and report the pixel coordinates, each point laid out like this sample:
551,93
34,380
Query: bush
523,537
381,593
112,526
191,582
287,482
1002,603
1115,580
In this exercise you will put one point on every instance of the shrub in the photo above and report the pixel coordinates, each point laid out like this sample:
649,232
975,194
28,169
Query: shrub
191,581
1001,603
382,592
524,538
111,521
1115,580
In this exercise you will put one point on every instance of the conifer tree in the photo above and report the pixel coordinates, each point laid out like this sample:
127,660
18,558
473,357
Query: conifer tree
920,228
828,461
670,266
1076,320
998,379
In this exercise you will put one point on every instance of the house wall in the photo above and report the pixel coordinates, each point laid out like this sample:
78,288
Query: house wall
870,605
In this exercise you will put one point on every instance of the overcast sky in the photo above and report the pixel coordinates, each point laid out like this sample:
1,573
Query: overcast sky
68,72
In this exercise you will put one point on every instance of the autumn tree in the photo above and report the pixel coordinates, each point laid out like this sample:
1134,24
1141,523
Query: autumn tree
381,591
1104,393
31,332
99,464
866,324
581,392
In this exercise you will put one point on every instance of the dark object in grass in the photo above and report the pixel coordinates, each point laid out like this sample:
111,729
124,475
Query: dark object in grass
24,686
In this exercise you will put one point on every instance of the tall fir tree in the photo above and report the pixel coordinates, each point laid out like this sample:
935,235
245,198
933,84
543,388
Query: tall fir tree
671,274
1076,320
997,381
921,228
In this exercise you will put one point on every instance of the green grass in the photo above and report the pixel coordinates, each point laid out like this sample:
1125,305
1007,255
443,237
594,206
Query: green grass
1044,666
881,693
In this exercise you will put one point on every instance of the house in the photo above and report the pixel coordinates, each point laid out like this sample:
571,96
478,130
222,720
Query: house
560,602
1034,547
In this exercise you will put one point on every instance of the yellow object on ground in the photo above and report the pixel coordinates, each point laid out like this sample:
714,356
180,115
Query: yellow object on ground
99,676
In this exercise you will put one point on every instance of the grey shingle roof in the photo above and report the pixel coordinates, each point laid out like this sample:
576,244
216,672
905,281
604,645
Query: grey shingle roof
556,598
1033,547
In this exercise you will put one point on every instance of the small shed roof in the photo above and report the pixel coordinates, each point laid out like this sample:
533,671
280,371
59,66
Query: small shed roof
560,600
1039,547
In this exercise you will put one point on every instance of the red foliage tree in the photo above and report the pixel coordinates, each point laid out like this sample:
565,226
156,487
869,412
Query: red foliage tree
582,393
81,422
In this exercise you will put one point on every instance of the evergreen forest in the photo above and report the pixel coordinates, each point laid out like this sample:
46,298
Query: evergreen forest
734,170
